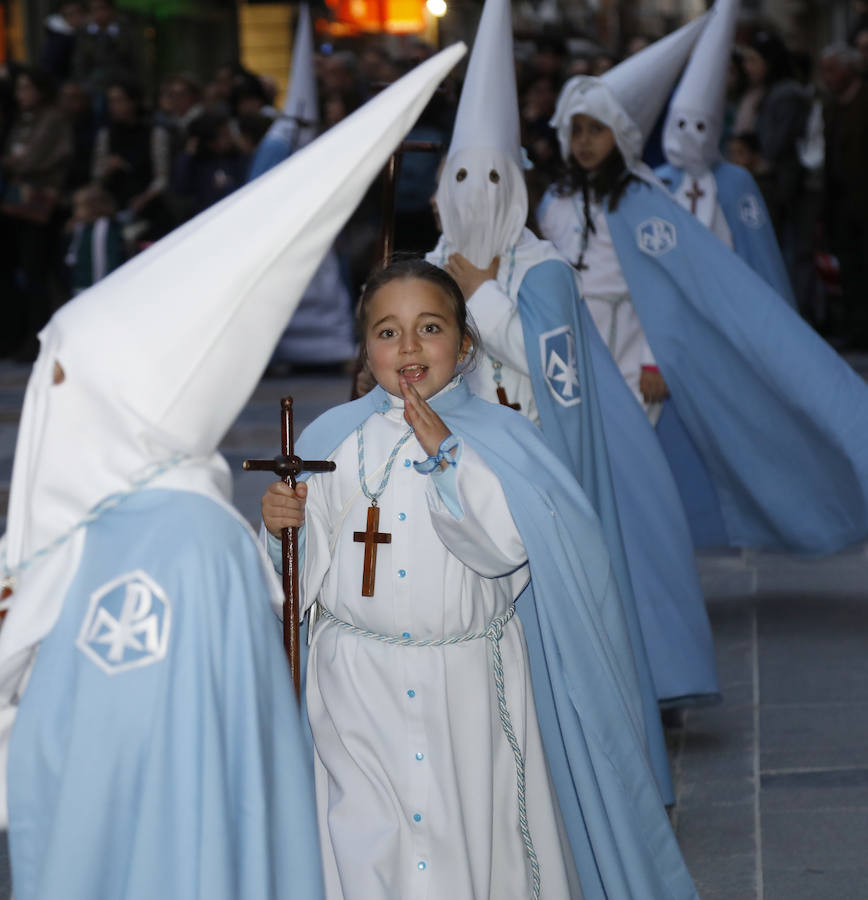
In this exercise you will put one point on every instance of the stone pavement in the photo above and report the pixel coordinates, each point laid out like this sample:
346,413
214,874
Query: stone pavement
772,785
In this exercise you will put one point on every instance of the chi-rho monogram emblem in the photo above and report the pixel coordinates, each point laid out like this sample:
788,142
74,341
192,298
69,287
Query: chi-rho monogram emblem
656,236
557,351
751,212
127,624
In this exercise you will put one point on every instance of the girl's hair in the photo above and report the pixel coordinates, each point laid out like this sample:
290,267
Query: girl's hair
749,139
775,54
101,203
42,80
132,90
610,180
416,269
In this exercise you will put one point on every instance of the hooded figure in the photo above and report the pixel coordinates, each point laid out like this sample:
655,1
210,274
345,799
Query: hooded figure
542,350
322,331
724,197
140,658
628,99
765,424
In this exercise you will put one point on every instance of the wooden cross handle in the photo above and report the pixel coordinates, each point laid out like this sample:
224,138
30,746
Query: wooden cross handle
289,548
288,466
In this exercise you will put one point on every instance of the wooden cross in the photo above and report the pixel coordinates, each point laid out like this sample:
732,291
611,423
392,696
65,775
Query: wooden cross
288,466
4,593
504,400
370,537
694,195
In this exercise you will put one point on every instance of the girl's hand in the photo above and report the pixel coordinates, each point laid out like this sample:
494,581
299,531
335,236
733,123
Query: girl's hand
652,386
470,278
429,427
283,507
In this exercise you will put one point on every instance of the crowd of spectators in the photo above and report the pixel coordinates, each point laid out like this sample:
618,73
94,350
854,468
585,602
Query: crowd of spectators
92,169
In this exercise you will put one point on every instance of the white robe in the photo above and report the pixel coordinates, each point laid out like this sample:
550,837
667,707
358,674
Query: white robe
561,220
415,781
707,208
496,316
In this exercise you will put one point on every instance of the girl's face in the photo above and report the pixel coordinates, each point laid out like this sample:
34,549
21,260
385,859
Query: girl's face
121,107
754,66
26,92
740,154
82,208
411,331
590,142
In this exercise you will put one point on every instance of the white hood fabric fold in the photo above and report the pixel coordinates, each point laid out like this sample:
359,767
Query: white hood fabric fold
160,357
694,123
301,104
482,197
629,97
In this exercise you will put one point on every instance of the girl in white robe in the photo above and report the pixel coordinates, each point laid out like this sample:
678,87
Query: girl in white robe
416,782
572,216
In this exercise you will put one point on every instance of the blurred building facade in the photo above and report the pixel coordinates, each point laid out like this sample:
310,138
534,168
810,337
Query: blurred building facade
198,35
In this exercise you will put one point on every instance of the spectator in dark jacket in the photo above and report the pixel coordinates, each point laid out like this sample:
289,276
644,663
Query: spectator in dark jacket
845,119
211,165
106,50
33,168
59,36
775,108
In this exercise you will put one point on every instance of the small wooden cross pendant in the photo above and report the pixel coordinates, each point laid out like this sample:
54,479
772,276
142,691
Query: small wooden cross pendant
6,592
694,195
370,537
504,400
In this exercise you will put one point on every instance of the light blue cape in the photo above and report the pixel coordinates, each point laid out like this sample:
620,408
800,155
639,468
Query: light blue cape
581,658
779,420
608,443
753,236
182,777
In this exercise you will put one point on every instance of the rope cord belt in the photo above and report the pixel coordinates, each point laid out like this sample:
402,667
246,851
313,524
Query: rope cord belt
615,301
493,632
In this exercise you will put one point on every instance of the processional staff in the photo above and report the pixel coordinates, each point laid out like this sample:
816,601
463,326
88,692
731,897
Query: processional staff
289,466
387,230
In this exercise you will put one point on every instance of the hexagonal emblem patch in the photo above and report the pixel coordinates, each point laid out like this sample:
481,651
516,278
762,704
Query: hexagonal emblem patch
557,350
127,624
656,236
750,211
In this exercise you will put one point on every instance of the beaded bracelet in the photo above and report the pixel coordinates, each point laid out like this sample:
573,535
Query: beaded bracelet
427,466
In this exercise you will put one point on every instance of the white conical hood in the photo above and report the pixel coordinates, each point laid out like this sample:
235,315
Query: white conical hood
161,355
694,123
482,198
630,97
643,82
301,104
487,115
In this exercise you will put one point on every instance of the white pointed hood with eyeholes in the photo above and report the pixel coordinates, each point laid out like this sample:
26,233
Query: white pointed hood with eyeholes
694,123
629,97
482,198
160,357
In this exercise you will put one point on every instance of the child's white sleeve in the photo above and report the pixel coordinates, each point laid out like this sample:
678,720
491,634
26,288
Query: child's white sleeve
312,565
314,543
471,516
499,323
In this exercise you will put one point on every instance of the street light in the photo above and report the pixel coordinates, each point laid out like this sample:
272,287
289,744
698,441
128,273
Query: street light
436,7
